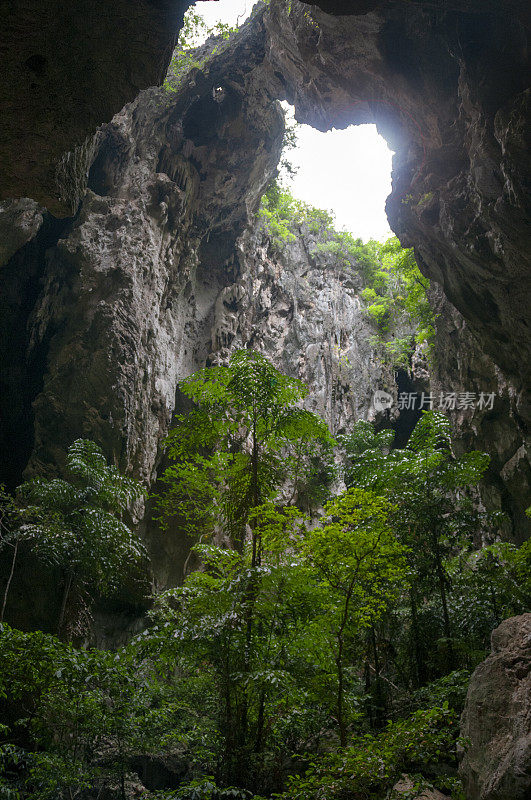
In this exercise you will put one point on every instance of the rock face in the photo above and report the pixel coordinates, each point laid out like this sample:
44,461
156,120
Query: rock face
446,83
20,221
302,309
129,283
497,718
460,365
406,787
141,287
67,68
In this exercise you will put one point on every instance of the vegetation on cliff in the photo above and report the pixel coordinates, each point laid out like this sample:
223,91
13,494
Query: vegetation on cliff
394,290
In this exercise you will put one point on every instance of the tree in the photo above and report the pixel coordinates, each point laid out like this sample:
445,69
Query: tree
10,523
253,674
233,452
362,564
434,515
396,292
76,716
371,765
76,523
237,447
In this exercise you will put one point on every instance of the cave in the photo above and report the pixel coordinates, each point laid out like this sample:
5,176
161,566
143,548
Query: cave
458,198
131,255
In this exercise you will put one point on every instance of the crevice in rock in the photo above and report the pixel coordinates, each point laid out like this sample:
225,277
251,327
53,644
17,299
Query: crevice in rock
22,375
407,417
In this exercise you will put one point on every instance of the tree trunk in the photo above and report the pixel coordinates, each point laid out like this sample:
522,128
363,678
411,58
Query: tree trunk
66,592
444,601
368,683
379,705
8,584
340,674
340,689
419,660
260,724
255,492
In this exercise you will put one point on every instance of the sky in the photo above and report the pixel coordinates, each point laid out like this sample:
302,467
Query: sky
347,171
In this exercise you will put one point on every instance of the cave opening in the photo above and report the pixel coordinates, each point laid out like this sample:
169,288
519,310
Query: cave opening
346,171
338,155
283,662
344,168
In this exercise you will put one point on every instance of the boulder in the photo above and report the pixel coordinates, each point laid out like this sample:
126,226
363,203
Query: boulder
496,764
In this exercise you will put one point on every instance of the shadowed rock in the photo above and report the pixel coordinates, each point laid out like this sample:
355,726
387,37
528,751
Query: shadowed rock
497,718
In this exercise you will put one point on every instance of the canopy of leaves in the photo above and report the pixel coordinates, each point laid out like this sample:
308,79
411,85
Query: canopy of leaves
371,765
75,523
240,442
326,668
427,463
357,554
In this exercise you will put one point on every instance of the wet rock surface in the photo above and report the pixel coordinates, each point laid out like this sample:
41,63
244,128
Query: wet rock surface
494,424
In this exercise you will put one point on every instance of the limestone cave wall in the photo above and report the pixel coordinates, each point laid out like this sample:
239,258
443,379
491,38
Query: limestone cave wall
67,68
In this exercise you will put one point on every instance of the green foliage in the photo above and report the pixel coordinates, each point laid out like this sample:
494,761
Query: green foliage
395,291
450,690
309,658
187,54
244,626
361,566
398,291
284,217
69,707
243,439
76,523
371,765
207,789
357,554
456,596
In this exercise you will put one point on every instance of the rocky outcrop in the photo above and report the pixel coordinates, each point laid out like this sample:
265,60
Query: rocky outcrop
461,366
147,282
497,718
301,307
295,303
447,86
20,221
405,788
67,68
129,287
446,82
143,286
